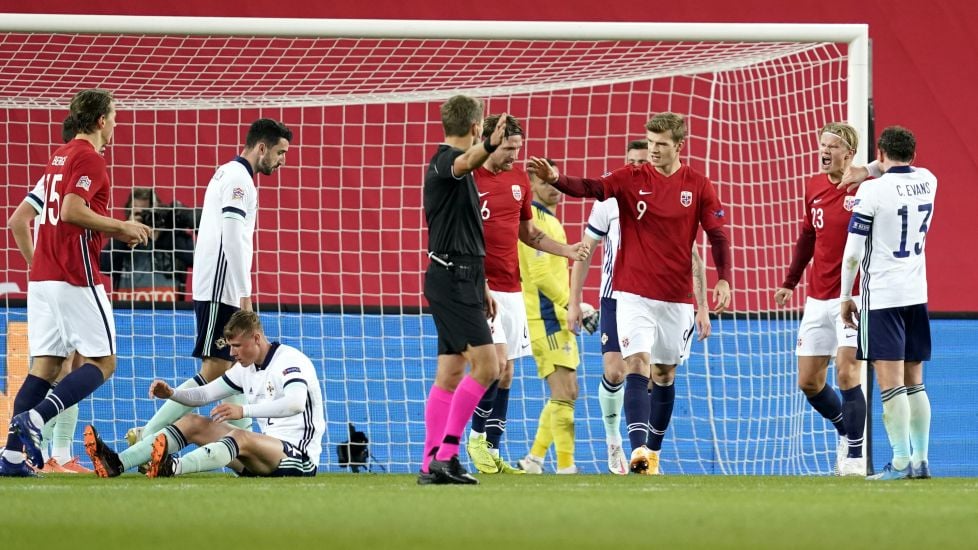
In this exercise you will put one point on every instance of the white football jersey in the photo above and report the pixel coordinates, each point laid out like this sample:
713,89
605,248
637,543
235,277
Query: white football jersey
602,225
284,365
894,212
222,262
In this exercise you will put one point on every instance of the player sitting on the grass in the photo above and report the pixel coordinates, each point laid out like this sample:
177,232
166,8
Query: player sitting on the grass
283,395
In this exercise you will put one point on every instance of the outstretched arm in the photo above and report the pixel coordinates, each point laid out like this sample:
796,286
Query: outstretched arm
534,238
571,186
194,397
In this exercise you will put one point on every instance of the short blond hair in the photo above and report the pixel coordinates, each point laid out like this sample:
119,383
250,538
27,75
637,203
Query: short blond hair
242,323
843,131
673,123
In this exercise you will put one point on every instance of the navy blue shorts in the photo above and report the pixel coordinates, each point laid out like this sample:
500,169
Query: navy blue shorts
211,318
609,325
456,298
295,464
894,334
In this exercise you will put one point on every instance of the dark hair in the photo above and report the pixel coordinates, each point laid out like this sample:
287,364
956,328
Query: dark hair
637,144
267,131
87,107
459,113
513,127
898,143
68,131
143,194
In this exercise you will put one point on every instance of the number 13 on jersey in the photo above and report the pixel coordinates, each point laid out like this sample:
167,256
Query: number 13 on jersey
918,247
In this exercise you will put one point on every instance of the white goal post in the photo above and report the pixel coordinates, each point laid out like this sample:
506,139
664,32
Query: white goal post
340,228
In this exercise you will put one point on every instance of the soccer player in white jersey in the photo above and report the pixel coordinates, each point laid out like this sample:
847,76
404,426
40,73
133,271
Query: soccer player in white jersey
282,392
507,219
60,430
822,334
67,308
602,226
887,236
662,204
222,257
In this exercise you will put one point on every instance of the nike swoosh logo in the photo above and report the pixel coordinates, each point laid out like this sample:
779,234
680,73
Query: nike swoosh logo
645,192
816,201
483,194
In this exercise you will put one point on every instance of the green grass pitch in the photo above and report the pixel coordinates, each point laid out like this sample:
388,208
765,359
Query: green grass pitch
538,512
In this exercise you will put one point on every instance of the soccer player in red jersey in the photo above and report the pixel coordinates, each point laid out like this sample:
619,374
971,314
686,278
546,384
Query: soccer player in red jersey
661,206
504,200
67,308
822,334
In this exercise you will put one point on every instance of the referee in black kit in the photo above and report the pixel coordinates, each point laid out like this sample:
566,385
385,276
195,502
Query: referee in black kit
455,286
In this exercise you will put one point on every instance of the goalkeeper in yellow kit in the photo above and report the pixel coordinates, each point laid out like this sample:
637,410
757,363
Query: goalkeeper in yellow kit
546,290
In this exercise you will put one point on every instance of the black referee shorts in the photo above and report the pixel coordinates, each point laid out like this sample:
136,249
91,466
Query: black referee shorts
456,296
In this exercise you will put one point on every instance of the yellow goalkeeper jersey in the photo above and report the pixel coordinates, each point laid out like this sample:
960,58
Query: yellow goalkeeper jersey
546,281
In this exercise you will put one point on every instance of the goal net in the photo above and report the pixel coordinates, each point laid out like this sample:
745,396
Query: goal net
341,236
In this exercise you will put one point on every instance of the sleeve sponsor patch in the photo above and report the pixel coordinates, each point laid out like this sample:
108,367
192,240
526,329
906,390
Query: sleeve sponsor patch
719,213
291,370
237,194
84,182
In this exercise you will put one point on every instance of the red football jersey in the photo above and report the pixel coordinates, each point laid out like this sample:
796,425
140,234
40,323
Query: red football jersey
64,251
659,218
827,212
504,201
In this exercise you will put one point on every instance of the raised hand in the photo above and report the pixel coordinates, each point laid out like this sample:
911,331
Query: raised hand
853,177
542,169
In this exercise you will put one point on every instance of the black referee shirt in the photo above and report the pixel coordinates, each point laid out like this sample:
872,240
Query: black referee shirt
451,208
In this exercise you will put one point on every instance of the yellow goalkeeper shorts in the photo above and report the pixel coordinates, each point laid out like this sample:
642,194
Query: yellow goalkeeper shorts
555,350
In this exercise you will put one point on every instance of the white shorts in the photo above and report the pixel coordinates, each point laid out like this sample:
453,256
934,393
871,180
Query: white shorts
62,318
821,332
664,329
510,326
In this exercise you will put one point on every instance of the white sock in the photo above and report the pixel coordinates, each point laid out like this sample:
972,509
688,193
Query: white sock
611,404
919,422
896,418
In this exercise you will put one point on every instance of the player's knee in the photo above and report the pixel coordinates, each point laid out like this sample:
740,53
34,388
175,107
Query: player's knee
192,424
614,369
809,387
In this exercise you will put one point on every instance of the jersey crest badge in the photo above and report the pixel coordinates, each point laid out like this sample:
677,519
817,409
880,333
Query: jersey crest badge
686,198
517,193
849,203
84,183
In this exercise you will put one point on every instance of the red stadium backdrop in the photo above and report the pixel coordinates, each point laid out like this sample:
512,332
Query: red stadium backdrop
917,52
